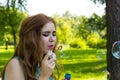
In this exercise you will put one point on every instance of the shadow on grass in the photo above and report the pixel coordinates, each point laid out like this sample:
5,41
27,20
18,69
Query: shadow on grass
86,67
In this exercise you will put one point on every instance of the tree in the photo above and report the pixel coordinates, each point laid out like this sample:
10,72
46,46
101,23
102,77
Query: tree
9,23
113,34
99,1
11,14
19,4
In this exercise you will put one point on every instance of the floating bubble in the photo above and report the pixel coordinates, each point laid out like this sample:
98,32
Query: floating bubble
116,49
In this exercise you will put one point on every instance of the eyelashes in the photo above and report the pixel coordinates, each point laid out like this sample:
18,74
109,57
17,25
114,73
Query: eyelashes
54,34
47,34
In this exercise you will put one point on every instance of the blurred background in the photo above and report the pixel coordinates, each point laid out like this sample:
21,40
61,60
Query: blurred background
81,30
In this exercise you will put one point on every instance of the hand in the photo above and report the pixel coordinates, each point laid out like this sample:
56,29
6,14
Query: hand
48,65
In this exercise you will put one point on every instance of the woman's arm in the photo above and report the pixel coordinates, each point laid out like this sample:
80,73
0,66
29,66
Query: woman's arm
14,70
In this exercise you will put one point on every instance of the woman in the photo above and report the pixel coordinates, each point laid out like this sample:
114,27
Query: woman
32,59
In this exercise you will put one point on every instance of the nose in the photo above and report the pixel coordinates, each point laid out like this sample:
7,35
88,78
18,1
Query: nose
51,39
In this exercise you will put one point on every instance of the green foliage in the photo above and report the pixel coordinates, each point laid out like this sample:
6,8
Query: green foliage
64,31
102,44
79,43
80,28
97,23
9,22
11,14
94,40
80,31
69,27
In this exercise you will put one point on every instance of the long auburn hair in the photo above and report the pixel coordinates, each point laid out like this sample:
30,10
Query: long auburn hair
30,46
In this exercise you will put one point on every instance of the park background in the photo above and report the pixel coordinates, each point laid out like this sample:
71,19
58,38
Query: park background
83,39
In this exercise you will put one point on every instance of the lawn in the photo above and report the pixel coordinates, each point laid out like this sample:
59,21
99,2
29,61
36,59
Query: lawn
5,55
81,64
85,64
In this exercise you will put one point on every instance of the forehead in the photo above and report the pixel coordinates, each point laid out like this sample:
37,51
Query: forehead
48,27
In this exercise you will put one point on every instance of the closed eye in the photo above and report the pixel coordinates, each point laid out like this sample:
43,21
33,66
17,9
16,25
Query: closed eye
54,34
46,34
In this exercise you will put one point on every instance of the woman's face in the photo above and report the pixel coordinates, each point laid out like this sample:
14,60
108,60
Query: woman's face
48,36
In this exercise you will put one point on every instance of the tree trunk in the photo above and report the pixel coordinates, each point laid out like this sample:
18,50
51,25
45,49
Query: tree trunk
113,34
6,43
14,36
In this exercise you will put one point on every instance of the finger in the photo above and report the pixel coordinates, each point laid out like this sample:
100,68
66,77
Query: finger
52,65
53,55
51,60
47,56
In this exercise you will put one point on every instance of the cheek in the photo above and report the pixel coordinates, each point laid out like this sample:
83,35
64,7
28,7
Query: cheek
55,39
45,40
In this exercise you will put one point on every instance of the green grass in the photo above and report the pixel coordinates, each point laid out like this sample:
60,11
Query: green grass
85,64
81,64
5,55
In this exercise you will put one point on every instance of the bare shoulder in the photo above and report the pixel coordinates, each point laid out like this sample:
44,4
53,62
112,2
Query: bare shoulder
13,61
14,70
13,64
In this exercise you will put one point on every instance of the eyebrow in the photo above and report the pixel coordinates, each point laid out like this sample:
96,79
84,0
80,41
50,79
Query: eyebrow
48,32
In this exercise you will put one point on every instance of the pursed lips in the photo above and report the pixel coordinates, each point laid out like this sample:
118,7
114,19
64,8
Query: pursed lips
51,46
